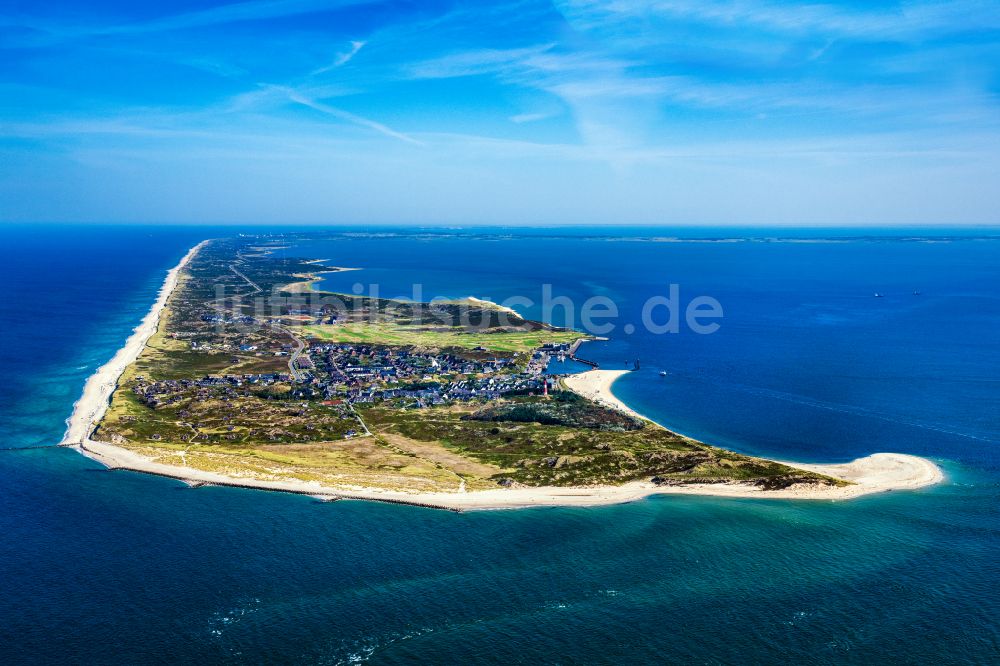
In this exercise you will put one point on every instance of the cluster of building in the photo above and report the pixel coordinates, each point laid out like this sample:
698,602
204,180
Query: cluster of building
216,318
359,364
360,374
363,374
434,393
170,391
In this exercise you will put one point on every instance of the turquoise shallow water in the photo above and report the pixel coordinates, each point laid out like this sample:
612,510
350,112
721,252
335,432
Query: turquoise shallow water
121,568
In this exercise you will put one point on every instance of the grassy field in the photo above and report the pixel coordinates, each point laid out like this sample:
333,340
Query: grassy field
361,462
284,430
438,338
536,454
253,437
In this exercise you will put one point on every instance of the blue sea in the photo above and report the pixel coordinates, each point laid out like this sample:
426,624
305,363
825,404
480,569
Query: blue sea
121,568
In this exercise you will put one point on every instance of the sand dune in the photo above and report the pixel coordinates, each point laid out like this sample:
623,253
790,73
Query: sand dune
880,472
875,473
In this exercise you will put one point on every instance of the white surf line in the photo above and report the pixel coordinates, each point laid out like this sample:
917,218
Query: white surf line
97,392
875,473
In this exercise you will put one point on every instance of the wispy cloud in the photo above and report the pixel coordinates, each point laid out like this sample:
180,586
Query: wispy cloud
342,58
300,98
474,62
588,94
904,19
521,118
252,10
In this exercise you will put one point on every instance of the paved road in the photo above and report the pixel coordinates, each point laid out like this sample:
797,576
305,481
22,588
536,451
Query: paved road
250,282
299,344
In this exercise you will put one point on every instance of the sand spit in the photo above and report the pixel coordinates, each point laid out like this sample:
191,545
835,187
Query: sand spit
872,474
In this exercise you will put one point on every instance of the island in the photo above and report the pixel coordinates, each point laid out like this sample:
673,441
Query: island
244,374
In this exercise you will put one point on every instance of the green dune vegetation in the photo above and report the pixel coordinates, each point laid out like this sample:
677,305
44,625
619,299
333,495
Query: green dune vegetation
392,334
253,376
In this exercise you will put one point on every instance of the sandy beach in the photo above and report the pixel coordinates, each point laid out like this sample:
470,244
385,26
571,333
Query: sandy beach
92,405
490,304
879,472
596,385
309,280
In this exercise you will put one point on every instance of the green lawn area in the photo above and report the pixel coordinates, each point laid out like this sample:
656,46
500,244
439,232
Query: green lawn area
438,338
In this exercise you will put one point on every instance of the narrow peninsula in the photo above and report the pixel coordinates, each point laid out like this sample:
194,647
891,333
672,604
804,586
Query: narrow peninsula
244,374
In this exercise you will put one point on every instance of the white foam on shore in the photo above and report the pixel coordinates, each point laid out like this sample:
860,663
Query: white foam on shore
879,472
93,403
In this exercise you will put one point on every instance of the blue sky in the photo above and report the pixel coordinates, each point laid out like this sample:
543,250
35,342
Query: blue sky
517,112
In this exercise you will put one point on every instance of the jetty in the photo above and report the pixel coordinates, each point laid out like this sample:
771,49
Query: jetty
571,354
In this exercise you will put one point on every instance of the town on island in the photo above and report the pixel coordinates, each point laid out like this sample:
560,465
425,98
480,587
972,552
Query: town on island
244,374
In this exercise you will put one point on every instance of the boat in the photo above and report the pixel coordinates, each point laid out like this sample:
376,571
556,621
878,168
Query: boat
663,373
878,295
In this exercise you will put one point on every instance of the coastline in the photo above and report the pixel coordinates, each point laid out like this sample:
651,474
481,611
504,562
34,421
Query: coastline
96,396
875,473
596,385
879,472
480,302
309,280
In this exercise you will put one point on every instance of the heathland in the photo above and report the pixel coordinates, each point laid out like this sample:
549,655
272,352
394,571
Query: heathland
247,377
